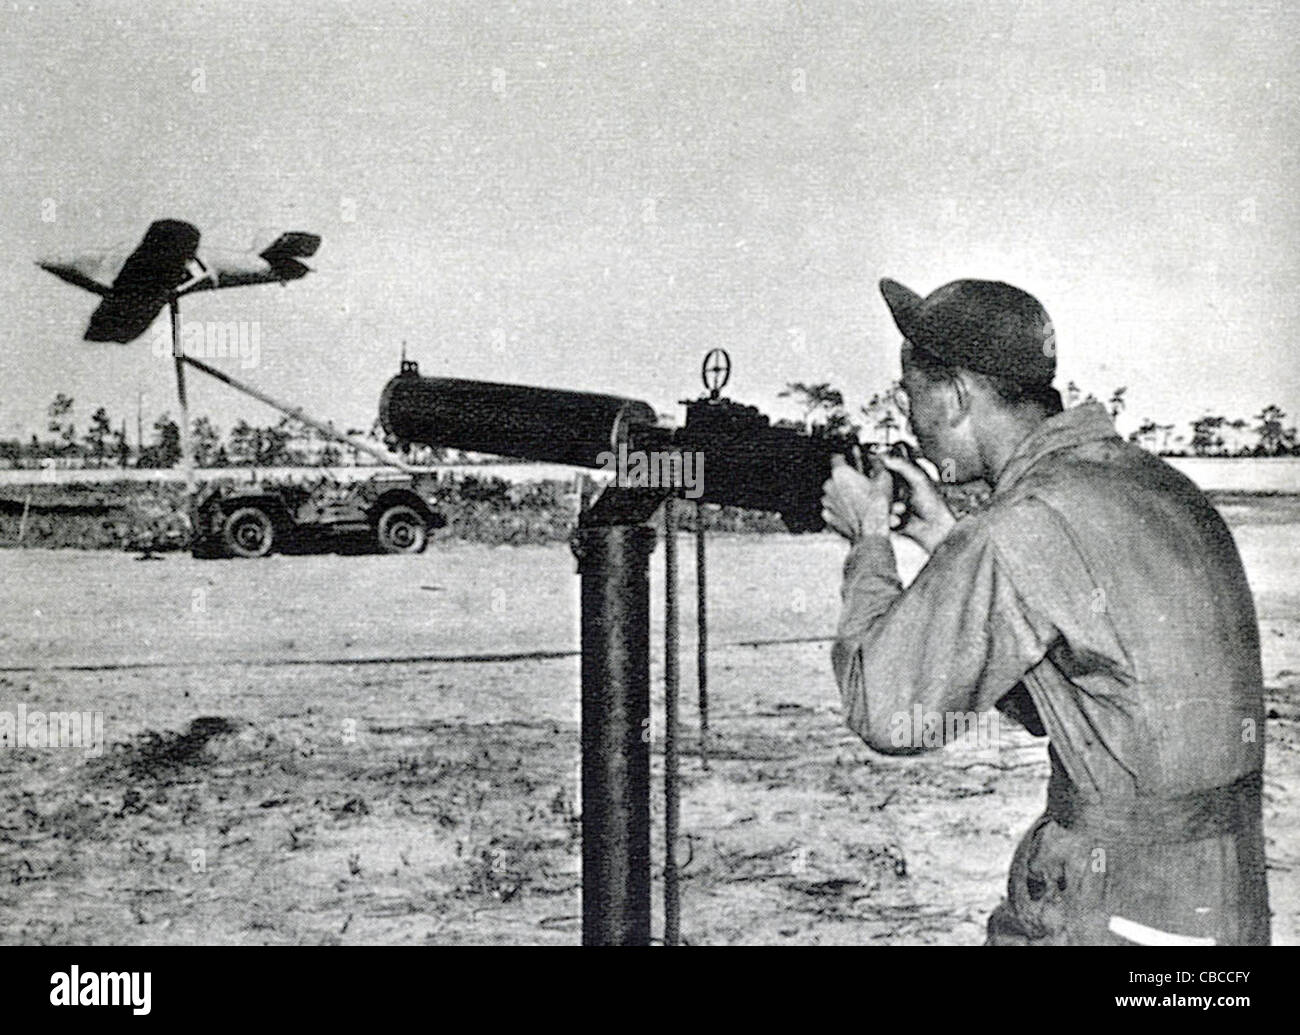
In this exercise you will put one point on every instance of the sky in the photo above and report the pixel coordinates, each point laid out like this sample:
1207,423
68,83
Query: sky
591,195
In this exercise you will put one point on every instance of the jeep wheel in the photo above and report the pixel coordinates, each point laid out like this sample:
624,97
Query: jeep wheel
401,530
248,532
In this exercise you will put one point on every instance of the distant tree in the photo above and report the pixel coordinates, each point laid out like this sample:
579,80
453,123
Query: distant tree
1165,430
1205,435
1145,433
207,440
165,450
168,439
59,408
98,436
355,433
244,440
60,424
883,413
261,447
301,441
1237,426
1272,434
1116,404
118,446
275,443
816,399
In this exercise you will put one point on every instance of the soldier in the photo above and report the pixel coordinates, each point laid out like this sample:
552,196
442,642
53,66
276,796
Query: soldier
1099,599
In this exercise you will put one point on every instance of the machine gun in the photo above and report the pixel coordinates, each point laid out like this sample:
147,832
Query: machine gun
747,460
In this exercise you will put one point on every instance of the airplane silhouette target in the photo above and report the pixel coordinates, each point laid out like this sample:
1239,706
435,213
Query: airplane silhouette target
135,286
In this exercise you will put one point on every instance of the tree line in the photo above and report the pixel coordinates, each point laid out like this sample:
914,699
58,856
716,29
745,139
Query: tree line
105,443
1265,434
289,443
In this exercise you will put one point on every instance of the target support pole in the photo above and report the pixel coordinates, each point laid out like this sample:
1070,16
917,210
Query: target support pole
296,413
186,434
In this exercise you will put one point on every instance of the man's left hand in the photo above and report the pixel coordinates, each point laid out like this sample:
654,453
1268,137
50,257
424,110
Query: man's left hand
856,504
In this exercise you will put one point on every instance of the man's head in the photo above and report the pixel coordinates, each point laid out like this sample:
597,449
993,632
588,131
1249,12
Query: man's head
978,360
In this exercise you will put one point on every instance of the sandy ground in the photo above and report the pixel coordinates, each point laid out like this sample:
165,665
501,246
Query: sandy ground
342,749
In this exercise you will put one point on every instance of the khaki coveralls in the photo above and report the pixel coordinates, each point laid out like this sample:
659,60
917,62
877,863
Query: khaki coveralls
1099,598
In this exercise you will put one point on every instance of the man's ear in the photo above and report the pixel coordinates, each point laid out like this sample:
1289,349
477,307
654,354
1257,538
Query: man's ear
957,397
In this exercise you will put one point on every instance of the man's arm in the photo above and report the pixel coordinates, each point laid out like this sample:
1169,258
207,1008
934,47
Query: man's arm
957,640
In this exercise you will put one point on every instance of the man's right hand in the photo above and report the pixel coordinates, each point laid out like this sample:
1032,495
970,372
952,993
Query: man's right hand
930,519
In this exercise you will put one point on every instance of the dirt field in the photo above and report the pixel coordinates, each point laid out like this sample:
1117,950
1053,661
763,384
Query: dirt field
341,749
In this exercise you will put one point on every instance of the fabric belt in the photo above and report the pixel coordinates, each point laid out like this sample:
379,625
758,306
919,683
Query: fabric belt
1230,809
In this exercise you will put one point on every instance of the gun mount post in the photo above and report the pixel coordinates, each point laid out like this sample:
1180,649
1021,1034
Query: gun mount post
672,789
613,546
701,636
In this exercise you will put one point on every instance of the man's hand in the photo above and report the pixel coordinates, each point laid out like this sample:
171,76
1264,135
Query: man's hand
855,504
929,518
